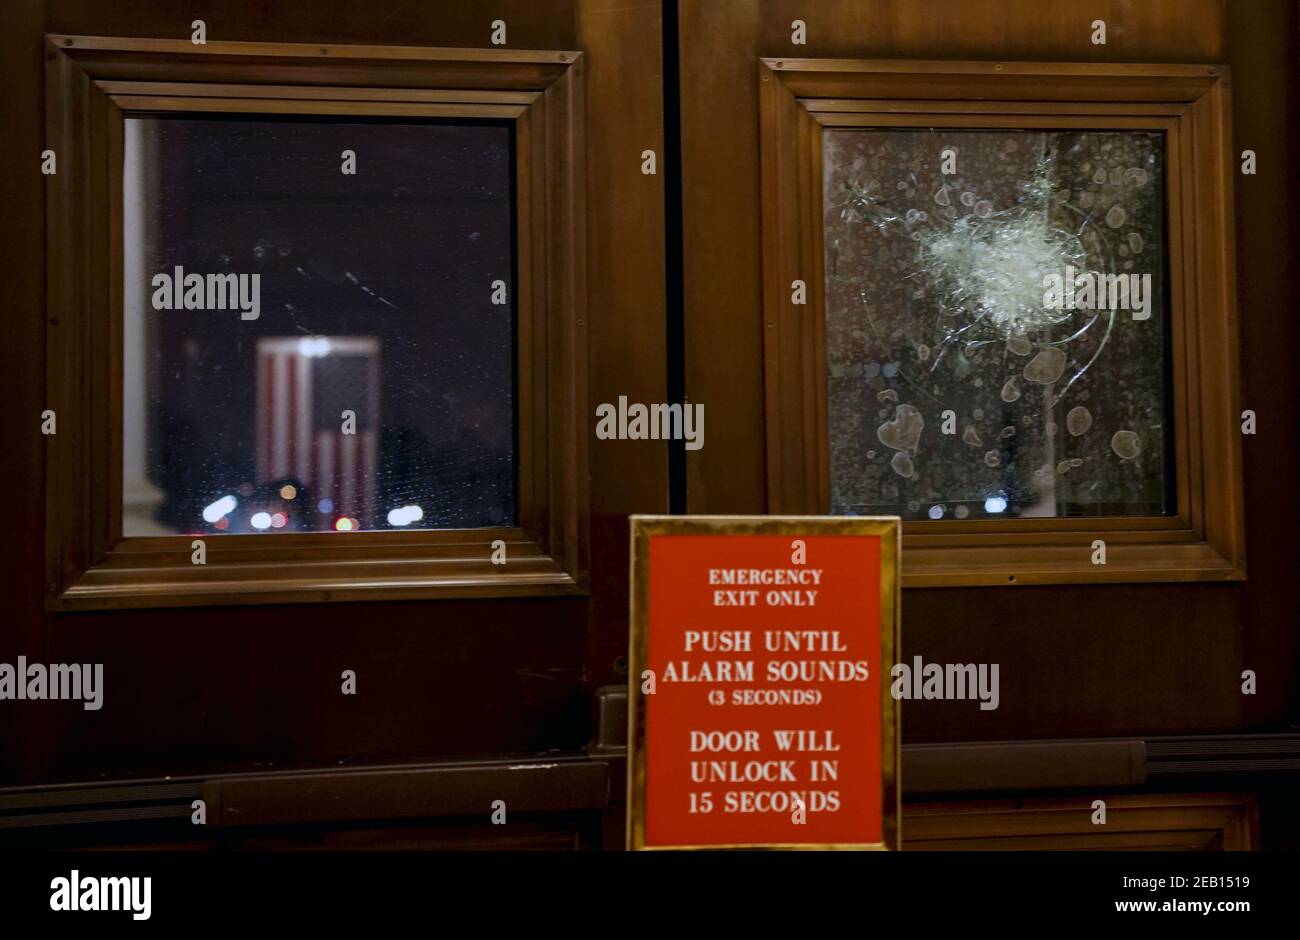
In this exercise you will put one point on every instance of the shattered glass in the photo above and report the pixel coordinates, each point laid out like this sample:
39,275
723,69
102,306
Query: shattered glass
963,381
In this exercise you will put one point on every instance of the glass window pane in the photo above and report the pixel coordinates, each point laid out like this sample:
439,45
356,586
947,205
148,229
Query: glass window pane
997,335
311,340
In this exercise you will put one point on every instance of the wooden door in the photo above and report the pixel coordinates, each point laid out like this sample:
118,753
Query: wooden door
451,692
1076,659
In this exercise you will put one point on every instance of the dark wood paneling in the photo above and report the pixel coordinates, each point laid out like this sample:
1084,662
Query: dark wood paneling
720,44
531,24
623,46
1213,822
447,790
445,805
1084,660
259,688
1262,48
1079,763
1047,30
24,740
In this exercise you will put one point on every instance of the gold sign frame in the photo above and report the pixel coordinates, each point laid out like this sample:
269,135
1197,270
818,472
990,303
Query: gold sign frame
645,527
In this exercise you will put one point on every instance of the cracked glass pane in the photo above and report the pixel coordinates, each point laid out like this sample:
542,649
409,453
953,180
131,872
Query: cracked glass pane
997,324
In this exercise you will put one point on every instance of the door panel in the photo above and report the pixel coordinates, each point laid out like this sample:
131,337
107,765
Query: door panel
215,689
1075,659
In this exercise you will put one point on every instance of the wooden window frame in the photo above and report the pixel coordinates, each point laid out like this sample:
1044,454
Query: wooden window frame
1204,539
91,84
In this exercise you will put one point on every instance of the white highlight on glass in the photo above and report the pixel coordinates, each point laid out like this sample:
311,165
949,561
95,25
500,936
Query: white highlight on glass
222,507
996,503
405,515
261,520
313,347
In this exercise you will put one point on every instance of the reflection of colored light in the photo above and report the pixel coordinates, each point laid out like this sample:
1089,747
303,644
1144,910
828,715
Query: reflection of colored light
936,512
288,491
261,520
223,523
326,505
344,524
278,520
214,511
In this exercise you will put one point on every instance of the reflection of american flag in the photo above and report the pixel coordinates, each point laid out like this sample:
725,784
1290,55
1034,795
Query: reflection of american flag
304,384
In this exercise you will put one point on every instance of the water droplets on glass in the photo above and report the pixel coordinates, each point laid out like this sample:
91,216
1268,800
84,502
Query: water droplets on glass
375,302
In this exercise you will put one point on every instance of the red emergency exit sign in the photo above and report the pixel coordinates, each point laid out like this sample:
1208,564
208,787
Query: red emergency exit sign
760,712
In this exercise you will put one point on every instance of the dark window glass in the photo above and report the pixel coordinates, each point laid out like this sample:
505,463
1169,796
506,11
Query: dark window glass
309,349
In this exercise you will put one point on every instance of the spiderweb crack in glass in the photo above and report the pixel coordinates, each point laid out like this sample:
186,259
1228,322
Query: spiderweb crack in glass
935,295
